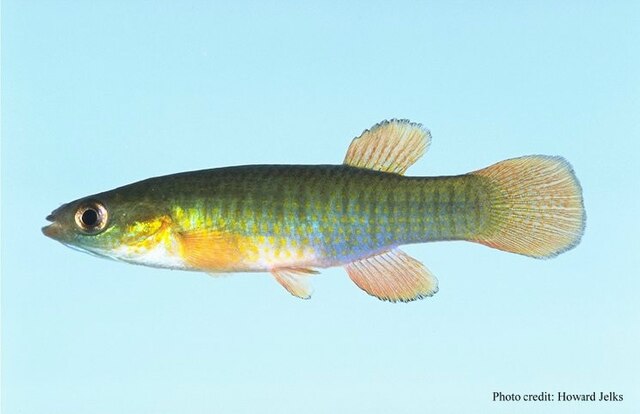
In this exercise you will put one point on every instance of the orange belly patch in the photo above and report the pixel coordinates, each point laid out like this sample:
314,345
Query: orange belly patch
220,251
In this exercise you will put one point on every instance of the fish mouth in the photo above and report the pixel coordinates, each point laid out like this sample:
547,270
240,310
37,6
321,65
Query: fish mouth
53,230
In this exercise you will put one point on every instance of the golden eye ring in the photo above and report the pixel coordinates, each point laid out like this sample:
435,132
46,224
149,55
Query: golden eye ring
91,217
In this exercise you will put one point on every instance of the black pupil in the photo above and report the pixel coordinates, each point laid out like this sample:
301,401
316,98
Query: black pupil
90,217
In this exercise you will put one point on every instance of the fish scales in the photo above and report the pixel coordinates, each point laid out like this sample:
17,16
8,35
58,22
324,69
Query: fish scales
345,212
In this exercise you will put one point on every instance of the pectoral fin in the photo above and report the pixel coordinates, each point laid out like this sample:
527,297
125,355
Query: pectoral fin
212,251
295,280
393,276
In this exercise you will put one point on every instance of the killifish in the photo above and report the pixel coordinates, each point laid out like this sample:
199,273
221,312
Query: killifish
290,220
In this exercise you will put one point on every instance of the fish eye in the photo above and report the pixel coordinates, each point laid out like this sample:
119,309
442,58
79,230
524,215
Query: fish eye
91,217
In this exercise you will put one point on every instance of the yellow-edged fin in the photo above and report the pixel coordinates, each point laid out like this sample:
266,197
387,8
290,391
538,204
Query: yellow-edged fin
295,280
536,209
390,146
211,251
393,276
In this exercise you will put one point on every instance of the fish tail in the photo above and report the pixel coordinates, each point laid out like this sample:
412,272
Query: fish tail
536,206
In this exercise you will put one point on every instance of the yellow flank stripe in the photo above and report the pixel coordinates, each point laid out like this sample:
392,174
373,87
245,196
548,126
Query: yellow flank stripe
142,236
206,241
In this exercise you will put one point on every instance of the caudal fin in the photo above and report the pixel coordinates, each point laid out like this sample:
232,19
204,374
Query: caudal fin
536,206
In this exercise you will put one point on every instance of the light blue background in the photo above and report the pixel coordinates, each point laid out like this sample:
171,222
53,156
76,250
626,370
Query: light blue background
100,94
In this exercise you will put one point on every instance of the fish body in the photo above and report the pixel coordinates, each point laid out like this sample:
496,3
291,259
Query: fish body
292,219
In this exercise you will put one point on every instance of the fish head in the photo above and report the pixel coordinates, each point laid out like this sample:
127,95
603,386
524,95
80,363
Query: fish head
104,224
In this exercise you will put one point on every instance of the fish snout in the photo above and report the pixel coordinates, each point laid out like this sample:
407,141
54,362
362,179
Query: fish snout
53,230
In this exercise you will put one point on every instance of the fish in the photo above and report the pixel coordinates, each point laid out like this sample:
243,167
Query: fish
291,220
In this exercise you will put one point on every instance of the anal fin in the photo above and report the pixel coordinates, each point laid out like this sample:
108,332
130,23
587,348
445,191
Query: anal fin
295,280
393,276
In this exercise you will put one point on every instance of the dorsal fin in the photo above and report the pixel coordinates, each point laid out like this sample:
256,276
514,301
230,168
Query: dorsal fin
390,146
